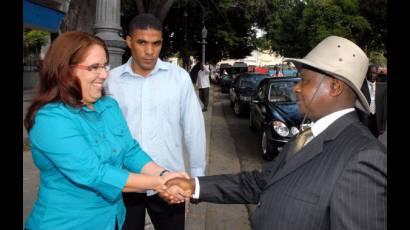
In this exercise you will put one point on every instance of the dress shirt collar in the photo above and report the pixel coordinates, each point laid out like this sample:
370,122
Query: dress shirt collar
160,65
369,83
325,121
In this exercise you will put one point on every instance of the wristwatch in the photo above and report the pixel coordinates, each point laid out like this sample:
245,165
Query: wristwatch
163,172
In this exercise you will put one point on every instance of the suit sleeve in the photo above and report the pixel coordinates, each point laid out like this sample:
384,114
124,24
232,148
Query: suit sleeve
241,188
359,200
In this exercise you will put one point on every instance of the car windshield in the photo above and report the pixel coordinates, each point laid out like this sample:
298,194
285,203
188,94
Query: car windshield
282,92
251,82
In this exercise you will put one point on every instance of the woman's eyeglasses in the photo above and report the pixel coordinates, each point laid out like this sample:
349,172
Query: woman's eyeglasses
94,68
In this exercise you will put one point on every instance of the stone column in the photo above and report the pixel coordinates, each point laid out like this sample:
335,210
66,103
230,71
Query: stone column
107,27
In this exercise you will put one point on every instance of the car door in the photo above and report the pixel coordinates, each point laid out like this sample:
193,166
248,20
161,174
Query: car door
260,107
233,90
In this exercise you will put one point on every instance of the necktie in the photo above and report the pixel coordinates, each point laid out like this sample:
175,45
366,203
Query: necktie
300,141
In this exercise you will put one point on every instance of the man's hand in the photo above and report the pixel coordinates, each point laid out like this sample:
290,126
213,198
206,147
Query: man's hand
178,190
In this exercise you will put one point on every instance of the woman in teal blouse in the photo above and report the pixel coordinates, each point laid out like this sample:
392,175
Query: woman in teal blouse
81,143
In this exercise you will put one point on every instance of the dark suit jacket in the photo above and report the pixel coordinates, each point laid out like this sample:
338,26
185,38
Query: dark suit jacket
381,105
337,181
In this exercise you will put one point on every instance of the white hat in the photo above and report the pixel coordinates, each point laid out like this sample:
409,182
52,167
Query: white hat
341,59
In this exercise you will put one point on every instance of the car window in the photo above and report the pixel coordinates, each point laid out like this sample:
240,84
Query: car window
261,91
282,92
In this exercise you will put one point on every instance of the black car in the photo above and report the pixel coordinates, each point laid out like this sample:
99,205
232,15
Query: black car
274,113
242,88
225,82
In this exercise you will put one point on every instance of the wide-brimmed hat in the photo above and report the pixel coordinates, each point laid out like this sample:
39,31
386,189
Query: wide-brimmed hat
341,59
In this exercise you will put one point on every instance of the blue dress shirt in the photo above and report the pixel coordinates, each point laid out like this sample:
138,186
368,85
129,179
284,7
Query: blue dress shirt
161,110
83,157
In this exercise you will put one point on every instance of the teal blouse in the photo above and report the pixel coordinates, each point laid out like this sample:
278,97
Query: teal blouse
84,157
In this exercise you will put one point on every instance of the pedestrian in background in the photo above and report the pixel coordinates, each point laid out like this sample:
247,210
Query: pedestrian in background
203,86
194,72
81,144
376,95
278,72
163,113
331,176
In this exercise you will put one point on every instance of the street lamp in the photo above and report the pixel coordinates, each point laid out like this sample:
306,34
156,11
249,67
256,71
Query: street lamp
204,33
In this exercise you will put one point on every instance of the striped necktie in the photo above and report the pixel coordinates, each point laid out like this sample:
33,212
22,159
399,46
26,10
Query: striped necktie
300,141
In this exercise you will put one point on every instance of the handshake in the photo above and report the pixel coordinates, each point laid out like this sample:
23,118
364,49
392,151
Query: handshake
176,187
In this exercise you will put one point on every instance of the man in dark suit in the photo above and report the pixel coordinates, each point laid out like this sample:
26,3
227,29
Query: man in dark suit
338,179
376,95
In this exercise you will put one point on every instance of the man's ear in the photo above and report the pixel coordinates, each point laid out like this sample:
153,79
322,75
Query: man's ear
128,40
336,87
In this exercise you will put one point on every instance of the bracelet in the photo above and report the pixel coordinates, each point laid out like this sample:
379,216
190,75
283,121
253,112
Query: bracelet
163,172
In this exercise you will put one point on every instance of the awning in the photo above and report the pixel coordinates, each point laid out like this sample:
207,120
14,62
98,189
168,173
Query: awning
40,17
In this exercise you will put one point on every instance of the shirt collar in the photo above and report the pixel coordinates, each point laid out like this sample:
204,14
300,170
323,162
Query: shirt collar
327,120
99,107
160,65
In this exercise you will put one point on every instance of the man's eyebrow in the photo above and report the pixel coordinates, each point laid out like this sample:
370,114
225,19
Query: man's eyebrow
143,40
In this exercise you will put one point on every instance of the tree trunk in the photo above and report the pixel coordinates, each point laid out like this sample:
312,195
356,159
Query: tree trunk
80,16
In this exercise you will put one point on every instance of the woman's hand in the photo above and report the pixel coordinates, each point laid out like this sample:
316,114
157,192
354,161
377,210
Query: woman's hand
172,194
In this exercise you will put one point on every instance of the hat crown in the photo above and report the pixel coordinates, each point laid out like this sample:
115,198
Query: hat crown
341,57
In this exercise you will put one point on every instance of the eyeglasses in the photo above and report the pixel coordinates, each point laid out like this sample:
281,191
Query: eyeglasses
94,68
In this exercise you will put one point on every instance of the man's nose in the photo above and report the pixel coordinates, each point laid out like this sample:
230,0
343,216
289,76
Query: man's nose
296,87
149,49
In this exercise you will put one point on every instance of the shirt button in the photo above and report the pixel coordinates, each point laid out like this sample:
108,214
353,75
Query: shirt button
114,150
259,204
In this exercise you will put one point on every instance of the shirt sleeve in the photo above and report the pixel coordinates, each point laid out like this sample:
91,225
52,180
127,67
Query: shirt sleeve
194,130
136,158
59,139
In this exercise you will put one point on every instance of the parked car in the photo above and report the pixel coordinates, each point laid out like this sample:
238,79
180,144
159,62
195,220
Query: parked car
225,82
243,87
274,113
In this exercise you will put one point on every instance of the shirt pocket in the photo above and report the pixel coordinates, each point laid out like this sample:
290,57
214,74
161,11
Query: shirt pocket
120,140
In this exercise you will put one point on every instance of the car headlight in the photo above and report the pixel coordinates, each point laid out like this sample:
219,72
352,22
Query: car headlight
280,128
294,131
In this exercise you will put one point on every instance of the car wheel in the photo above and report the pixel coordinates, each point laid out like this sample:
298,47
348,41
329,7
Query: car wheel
251,125
237,108
268,149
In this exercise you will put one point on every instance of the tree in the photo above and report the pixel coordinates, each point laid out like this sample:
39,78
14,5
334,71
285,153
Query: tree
80,16
294,27
33,40
229,23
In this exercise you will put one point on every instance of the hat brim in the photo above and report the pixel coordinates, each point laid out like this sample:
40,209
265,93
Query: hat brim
361,102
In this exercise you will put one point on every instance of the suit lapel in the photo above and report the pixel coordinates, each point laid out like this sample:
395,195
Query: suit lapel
314,147
365,90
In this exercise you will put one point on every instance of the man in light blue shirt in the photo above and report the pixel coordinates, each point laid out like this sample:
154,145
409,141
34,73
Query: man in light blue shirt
161,108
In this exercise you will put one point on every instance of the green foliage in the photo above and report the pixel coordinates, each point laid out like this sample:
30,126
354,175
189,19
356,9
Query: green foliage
294,27
229,23
33,40
378,58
